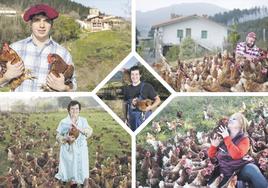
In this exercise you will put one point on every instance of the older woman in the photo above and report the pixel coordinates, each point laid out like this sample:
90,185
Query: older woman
232,153
74,163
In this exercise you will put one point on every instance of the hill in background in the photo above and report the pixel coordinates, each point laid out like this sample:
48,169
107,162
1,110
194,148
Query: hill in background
146,19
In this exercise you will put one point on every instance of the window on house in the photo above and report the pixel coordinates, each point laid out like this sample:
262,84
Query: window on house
180,33
188,32
204,34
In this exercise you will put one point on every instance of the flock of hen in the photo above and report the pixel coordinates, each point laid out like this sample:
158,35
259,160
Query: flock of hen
182,160
220,73
30,169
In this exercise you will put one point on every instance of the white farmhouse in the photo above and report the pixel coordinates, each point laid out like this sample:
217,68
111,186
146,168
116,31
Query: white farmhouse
97,21
7,12
206,33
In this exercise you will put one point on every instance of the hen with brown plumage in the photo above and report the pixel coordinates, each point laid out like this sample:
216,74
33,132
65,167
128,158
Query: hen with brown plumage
73,132
143,104
8,54
59,66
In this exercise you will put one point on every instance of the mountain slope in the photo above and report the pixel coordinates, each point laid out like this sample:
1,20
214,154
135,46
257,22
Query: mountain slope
146,19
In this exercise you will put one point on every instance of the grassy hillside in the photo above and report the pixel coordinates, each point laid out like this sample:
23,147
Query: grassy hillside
96,54
106,133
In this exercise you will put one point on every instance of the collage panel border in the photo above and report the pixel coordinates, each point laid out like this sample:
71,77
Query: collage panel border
93,93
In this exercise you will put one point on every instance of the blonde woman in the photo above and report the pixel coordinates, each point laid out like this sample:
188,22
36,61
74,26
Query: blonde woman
231,153
74,163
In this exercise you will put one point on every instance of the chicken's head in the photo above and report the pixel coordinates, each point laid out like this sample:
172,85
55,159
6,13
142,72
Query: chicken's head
6,47
51,59
7,54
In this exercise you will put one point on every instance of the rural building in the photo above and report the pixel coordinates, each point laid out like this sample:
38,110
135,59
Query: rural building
7,12
97,21
206,33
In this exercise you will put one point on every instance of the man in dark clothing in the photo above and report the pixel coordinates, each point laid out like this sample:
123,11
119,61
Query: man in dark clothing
134,92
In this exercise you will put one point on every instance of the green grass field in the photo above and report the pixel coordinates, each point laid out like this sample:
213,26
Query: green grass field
104,127
95,55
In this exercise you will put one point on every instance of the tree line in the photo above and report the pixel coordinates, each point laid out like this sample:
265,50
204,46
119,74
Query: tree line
234,16
64,6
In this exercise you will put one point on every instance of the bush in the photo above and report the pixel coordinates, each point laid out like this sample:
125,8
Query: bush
187,49
65,28
173,53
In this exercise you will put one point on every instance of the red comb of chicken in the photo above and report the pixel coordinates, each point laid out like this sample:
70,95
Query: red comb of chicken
50,58
6,47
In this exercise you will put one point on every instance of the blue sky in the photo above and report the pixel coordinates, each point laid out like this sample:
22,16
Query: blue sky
146,5
113,7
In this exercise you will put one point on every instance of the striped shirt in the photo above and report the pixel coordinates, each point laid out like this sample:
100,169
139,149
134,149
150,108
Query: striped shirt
243,50
35,59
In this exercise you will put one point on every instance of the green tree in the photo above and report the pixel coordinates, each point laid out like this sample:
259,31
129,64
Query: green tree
173,53
187,48
234,36
65,28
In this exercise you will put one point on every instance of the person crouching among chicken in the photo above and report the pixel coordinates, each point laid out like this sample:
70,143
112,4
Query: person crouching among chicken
232,154
140,98
34,51
248,48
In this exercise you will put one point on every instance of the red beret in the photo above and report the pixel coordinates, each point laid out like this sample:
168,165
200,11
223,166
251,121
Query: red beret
50,12
252,35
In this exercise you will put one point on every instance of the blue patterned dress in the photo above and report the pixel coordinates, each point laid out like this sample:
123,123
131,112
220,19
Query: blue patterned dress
74,163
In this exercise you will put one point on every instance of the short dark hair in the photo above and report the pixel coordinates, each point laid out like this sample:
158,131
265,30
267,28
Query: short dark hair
73,103
41,14
134,68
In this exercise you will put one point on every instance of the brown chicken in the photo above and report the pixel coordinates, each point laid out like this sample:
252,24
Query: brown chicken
73,132
200,179
252,86
8,54
57,67
143,104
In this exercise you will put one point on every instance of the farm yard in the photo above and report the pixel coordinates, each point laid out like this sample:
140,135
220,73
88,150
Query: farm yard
172,149
218,73
29,152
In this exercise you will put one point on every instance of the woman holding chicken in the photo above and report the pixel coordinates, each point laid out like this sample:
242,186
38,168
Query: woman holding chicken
231,153
72,133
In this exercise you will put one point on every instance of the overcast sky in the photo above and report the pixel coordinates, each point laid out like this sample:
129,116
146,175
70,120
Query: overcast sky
113,7
132,61
146,5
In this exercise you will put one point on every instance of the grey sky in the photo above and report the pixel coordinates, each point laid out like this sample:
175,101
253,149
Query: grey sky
113,7
132,61
146,5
